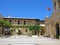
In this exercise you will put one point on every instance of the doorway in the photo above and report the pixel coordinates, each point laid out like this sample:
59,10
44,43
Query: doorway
35,32
19,32
57,31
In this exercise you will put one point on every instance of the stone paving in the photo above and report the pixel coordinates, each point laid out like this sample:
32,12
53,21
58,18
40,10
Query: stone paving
26,40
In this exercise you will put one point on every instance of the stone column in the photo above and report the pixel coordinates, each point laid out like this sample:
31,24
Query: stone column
51,28
49,31
57,6
46,29
54,31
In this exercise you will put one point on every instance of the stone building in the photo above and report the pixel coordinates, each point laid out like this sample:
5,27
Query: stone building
52,24
20,24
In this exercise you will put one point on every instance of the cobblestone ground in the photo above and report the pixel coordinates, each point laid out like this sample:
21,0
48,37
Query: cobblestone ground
26,40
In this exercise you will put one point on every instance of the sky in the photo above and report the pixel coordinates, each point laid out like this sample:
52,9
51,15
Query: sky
26,8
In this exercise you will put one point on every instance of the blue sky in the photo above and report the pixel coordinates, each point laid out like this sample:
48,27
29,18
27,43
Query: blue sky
26,8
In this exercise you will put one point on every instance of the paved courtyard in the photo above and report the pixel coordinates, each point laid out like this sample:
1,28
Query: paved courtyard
26,40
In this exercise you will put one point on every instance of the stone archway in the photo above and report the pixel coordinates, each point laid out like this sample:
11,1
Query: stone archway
19,32
57,30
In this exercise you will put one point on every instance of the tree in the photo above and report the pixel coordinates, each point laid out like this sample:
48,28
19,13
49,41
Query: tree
31,28
35,28
4,23
7,25
1,22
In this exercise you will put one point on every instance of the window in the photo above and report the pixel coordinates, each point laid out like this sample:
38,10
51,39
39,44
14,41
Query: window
10,21
26,30
18,22
24,22
59,3
54,3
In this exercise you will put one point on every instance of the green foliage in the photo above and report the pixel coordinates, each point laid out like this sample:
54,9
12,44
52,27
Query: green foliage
35,27
1,22
31,28
4,23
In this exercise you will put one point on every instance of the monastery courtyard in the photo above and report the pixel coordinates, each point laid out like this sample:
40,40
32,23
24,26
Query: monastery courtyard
26,40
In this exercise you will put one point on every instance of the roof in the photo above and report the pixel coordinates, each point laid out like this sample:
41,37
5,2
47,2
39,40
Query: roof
41,21
23,18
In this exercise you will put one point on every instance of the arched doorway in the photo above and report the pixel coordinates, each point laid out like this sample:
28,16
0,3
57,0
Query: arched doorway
57,31
19,32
